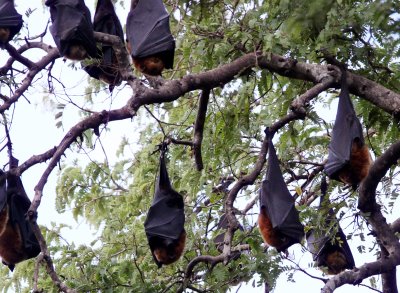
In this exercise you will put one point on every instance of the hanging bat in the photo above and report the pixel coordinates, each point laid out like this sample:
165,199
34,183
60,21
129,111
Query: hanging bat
164,225
278,220
106,21
149,39
348,159
17,241
10,21
332,253
72,29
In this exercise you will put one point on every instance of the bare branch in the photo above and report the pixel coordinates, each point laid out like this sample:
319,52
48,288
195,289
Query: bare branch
199,128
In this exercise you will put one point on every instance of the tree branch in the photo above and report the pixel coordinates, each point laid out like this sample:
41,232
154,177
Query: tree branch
199,128
355,276
367,201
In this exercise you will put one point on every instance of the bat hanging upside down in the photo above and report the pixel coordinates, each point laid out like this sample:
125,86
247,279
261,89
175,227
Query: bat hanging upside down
4,34
150,65
271,236
11,244
357,169
167,251
335,261
76,52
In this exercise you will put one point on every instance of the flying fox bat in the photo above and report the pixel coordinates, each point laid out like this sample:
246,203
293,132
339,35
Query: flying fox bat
278,220
72,29
164,225
348,159
330,252
17,241
10,21
106,21
149,39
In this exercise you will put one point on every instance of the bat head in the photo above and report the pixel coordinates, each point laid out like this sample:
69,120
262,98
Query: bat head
75,51
4,34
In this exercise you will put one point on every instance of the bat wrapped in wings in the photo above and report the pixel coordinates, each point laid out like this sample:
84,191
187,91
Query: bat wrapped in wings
164,225
348,159
10,21
72,29
278,220
106,21
330,251
17,240
150,41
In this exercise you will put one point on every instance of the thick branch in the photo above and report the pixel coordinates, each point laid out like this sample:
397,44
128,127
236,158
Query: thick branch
46,257
367,201
17,56
354,277
371,210
396,226
40,65
120,52
91,122
389,279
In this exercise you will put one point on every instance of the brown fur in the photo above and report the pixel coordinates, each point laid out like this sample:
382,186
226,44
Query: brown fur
76,52
165,256
271,236
151,65
357,169
4,34
336,262
3,219
11,246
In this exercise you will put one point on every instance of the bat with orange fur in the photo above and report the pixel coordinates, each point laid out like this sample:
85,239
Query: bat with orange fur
10,21
358,166
107,68
149,39
72,29
278,220
348,159
17,241
164,225
330,250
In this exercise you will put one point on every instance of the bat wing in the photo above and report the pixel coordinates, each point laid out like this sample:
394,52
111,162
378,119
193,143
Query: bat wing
343,245
148,31
9,17
19,204
320,244
315,243
166,217
347,127
106,21
278,201
3,191
71,23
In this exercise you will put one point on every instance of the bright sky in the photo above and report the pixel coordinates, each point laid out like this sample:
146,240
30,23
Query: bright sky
28,140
